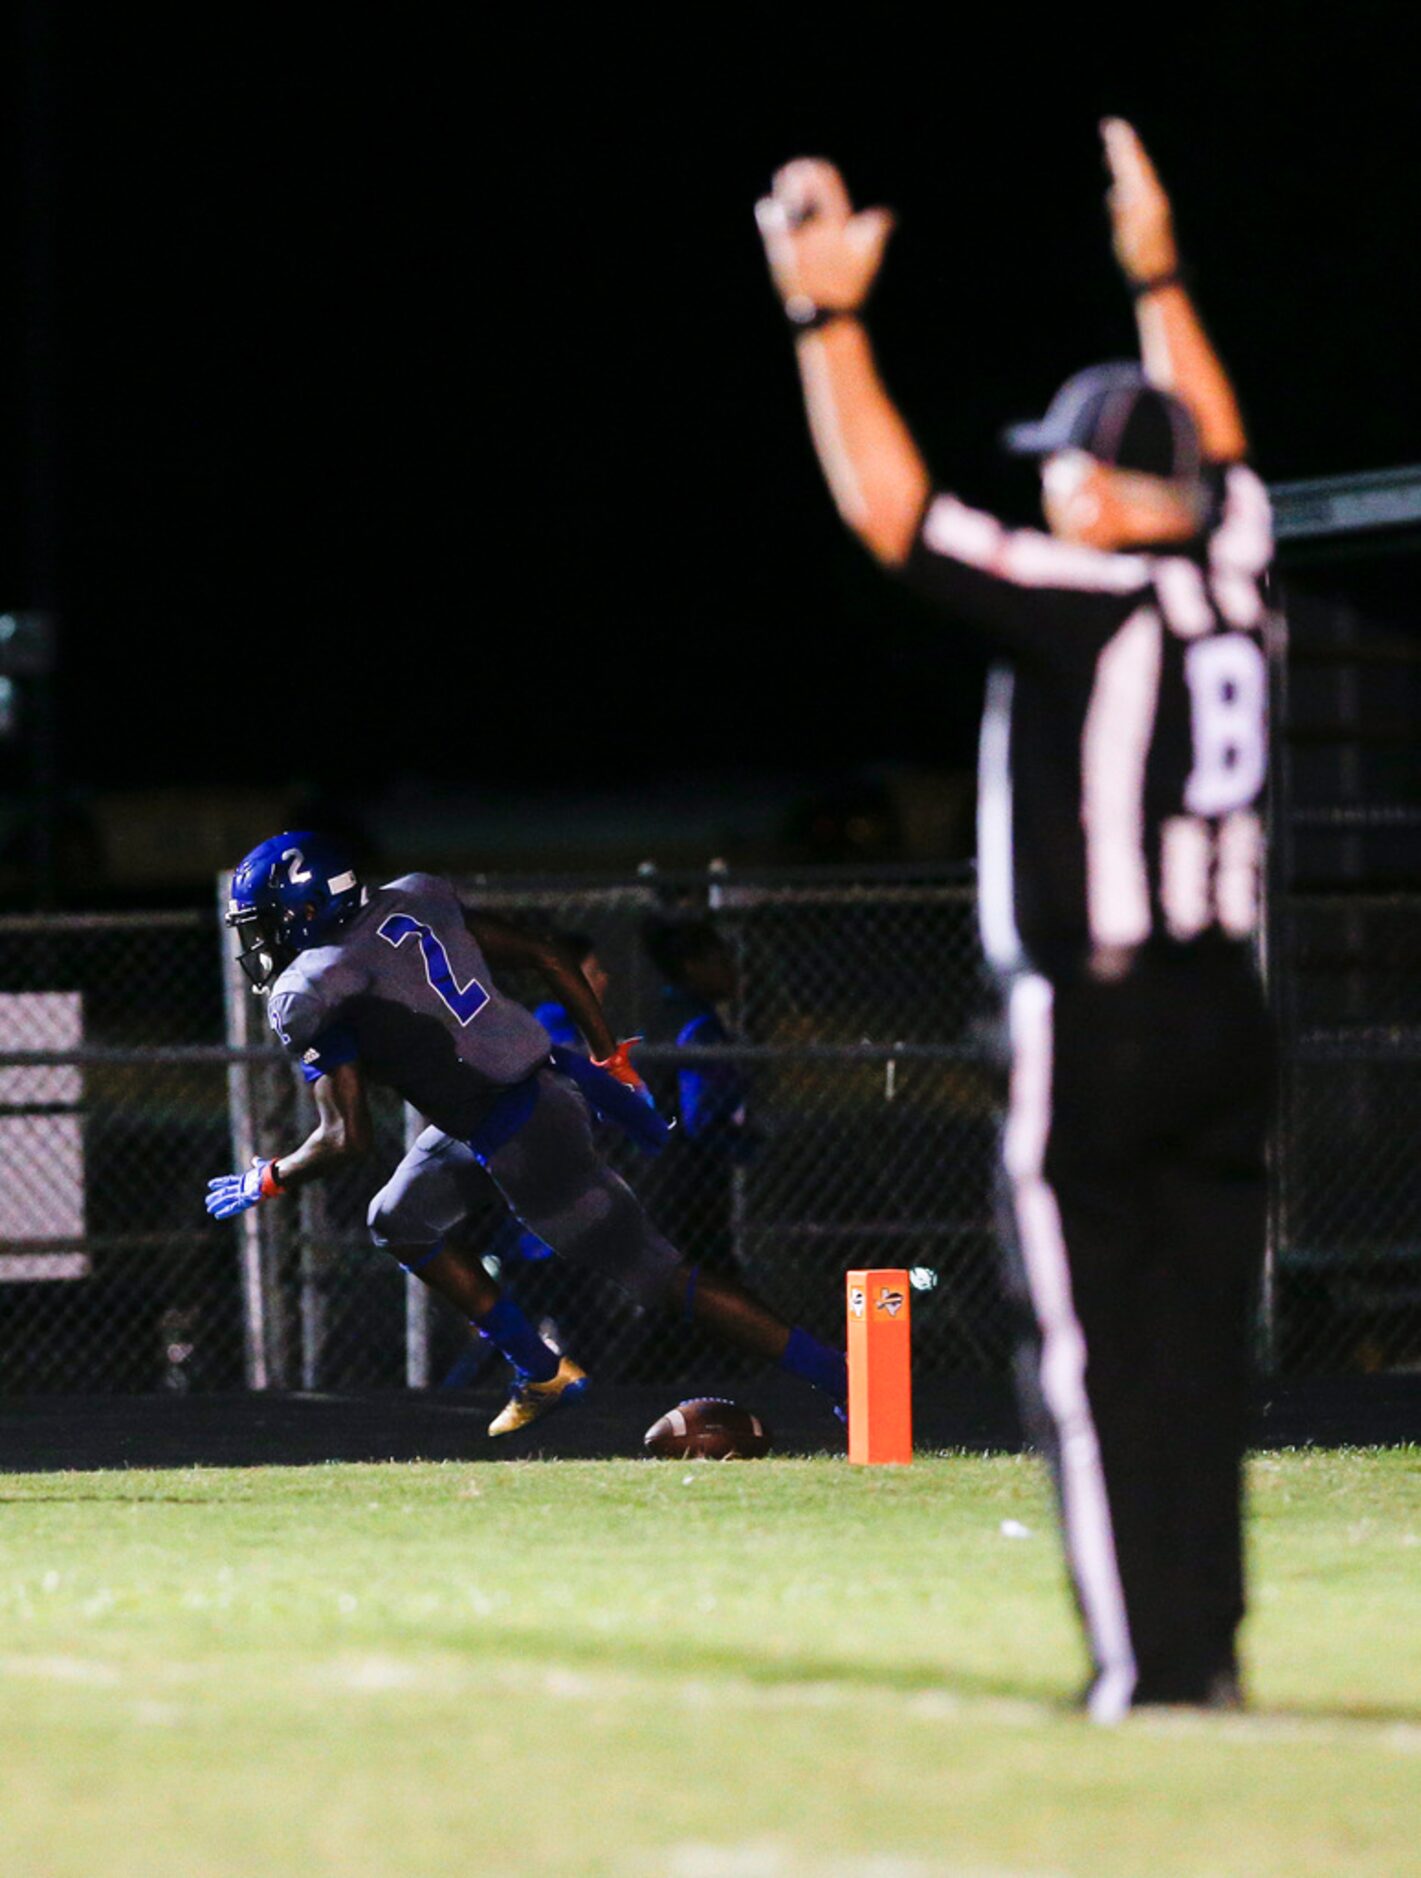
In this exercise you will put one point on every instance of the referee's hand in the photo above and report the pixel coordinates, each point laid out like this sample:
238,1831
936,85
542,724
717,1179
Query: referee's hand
823,256
1141,222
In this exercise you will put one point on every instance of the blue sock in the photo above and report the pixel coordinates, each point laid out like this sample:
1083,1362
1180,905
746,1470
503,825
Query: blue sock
509,1331
826,1369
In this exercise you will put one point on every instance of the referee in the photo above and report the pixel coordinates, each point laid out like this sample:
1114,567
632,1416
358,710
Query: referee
1123,757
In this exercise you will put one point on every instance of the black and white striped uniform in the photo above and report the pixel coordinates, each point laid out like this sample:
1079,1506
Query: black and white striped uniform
1124,753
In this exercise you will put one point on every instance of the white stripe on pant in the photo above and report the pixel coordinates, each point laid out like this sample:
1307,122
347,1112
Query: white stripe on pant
1090,1541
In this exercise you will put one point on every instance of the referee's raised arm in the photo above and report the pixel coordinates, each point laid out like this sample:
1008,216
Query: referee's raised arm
1174,348
824,259
1019,586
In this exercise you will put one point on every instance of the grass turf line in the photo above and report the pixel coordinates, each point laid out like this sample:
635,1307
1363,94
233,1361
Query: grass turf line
630,1667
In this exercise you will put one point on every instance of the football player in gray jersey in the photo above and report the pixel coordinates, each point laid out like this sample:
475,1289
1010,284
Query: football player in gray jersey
394,985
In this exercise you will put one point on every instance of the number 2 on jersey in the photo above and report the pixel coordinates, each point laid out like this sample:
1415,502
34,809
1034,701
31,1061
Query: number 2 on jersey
465,1001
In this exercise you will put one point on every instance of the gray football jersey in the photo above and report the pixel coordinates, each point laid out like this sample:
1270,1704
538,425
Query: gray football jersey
405,990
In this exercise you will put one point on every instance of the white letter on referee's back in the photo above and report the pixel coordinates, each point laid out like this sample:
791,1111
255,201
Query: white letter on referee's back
1228,695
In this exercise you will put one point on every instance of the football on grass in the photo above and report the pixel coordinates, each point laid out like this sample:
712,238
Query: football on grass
708,1429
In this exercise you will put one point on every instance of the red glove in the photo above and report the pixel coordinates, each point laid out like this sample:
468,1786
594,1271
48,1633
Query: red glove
619,1064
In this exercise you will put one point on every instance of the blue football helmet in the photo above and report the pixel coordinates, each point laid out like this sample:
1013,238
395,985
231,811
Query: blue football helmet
291,892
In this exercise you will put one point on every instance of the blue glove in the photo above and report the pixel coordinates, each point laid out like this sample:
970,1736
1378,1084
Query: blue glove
628,1106
234,1193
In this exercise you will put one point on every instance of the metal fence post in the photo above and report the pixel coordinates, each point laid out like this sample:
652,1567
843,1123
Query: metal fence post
720,897
313,1211
416,1294
1273,942
236,1004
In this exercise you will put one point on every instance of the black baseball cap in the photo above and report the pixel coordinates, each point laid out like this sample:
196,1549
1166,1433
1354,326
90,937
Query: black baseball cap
1116,415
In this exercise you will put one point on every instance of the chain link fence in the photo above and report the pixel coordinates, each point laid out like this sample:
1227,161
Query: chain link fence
1345,945
842,1114
113,1102
1347,1186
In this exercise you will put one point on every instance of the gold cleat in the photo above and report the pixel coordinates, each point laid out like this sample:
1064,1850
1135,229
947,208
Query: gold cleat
531,1400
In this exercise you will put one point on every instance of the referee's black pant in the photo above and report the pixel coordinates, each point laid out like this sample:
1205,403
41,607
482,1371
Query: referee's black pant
1135,1160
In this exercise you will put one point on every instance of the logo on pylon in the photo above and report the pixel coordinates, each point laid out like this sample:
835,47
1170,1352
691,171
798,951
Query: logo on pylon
888,1301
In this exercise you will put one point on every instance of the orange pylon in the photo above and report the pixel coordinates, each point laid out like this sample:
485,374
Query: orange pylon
880,1368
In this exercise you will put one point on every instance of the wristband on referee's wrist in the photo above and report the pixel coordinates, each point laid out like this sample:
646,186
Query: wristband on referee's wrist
805,317
1172,277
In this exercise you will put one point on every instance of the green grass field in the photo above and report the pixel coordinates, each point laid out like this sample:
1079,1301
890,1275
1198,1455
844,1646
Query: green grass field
720,1672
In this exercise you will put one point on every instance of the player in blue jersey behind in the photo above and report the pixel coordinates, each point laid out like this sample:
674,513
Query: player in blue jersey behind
394,985
581,949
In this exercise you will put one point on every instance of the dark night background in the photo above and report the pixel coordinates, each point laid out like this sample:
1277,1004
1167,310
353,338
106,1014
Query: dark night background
400,395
